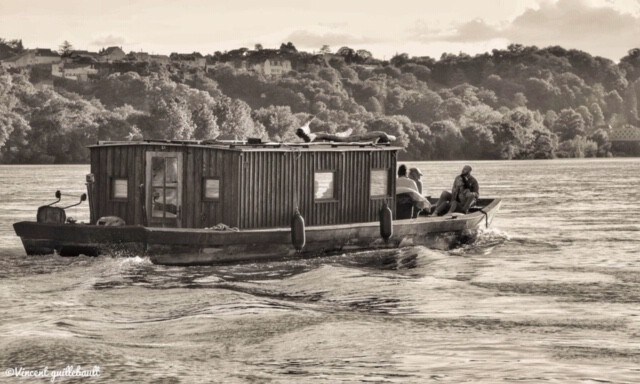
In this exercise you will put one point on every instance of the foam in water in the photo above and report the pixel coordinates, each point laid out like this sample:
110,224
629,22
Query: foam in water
484,242
543,296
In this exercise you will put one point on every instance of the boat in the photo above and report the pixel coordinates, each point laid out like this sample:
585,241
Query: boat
184,202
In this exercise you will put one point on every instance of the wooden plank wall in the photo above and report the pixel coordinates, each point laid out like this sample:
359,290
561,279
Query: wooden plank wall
128,161
118,162
273,184
223,165
257,189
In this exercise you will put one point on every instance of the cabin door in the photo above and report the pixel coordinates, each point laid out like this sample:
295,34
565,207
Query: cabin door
164,189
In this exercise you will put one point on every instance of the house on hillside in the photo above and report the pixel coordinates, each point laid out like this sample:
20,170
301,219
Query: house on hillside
31,57
273,67
73,71
269,67
84,57
160,59
139,56
111,54
625,141
189,60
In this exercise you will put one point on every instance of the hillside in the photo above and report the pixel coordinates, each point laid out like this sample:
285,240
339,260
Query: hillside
517,103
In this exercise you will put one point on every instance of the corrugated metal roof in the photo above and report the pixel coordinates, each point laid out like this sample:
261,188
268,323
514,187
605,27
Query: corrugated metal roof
262,147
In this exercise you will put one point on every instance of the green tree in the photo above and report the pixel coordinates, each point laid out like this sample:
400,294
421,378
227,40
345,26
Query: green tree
206,126
479,142
598,117
447,140
278,121
65,48
363,55
569,125
544,145
235,122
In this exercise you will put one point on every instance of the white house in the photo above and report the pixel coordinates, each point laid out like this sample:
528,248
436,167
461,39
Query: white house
275,67
32,57
111,54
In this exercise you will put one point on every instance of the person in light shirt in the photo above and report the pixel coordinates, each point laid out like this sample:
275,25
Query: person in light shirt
405,185
404,181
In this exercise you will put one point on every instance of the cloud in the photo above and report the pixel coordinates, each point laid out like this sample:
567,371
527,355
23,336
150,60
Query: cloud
599,30
342,24
108,40
312,39
471,31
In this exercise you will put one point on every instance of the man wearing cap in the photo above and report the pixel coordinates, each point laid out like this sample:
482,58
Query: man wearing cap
409,201
403,183
463,195
415,174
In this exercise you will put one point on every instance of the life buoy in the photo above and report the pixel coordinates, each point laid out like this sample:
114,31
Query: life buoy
298,236
386,222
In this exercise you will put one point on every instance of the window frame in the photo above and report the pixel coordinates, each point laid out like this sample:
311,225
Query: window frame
388,187
112,188
204,189
334,189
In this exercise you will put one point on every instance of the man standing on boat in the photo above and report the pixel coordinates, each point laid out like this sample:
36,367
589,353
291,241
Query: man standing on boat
464,194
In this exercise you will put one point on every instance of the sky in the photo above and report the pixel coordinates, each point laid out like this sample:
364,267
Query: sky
608,28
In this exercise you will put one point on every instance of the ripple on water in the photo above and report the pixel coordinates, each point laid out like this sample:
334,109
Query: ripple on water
548,293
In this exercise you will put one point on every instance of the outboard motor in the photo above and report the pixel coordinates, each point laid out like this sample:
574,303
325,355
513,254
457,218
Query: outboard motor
55,215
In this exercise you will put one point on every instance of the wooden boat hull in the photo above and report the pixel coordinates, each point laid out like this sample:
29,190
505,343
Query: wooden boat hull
188,246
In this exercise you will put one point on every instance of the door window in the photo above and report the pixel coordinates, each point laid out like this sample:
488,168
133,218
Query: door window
164,192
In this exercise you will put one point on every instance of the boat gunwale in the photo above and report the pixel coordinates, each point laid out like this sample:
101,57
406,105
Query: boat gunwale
403,222
488,209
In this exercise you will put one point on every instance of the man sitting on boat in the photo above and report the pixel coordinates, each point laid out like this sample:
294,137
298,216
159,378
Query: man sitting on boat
463,195
409,199
416,175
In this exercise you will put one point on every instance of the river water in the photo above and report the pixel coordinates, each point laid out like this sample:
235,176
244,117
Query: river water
549,293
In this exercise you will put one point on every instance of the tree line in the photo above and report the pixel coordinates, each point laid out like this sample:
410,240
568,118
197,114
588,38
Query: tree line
517,103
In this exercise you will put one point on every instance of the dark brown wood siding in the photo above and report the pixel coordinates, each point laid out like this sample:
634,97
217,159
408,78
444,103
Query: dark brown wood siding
273,184
122,162
128,162
224,166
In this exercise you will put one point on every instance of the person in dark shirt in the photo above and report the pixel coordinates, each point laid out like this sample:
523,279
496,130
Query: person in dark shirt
463,195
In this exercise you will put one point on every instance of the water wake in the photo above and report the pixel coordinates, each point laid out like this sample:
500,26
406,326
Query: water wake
485,241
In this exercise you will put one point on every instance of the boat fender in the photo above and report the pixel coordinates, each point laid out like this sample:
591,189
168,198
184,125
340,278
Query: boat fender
386,222
110,221
298,236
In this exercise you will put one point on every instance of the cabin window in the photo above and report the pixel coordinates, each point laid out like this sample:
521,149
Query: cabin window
211,189
119,189
379,186
324,185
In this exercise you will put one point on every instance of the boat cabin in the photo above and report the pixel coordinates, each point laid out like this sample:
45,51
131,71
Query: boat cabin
194,184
